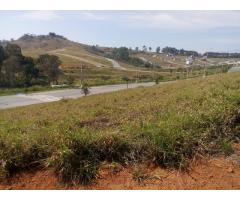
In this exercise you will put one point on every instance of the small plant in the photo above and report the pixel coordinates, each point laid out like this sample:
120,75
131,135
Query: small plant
158,79
75,164
226,147
139,175
85,89
126,79
115,167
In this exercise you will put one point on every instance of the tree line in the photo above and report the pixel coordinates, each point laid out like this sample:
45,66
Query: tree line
17,70
180,52
221,55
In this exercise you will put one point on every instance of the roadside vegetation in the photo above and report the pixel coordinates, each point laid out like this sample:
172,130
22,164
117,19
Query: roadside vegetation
166,124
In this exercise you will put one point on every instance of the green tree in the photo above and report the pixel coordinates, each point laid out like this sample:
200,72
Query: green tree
85,89
158,50
121,53
1,56
48,66
12,70
144,48
30,71
1,62
127,79
13,50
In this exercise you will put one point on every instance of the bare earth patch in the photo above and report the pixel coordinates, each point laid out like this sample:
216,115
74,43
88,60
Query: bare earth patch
206,173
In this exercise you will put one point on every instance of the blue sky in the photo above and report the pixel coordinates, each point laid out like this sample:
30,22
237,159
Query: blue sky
192,30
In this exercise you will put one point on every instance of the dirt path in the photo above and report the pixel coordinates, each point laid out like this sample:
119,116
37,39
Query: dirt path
116,64
80,59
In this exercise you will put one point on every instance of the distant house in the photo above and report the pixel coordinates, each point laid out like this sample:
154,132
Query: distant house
189,60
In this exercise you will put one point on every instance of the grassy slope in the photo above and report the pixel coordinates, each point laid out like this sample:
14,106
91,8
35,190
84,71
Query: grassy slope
166,124
71,66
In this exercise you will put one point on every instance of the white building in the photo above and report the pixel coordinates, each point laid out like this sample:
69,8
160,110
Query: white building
189,61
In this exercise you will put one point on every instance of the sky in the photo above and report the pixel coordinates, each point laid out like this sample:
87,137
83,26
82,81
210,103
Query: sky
192,30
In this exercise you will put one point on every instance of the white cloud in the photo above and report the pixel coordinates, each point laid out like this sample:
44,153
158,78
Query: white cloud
39,15
96,16
167,19
185,19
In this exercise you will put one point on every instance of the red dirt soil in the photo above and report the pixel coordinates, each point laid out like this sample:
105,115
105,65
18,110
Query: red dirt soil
206,173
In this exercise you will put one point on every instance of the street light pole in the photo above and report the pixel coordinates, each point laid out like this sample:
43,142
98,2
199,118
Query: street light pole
81,74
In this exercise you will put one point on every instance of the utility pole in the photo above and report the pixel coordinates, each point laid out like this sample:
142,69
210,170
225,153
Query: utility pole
136,76
81,75
187,72
204,71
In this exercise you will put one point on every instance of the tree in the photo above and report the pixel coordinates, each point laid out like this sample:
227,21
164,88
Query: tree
150,48
144,48
85,89
158,50
121,53
48,66
30,71
1,56
136,49
12,70
158,78
12,50
127,79
1,62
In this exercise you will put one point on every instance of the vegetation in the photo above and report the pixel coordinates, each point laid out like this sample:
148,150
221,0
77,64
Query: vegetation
158,49
181,52
221,55
123,54
85,89
165,124
17,70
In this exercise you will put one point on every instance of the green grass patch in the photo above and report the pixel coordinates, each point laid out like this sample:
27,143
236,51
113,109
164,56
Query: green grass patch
166,124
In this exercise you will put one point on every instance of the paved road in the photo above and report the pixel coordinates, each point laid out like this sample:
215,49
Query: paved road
56,95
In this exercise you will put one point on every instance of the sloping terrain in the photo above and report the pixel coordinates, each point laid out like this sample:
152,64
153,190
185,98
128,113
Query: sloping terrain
36,45
165,125
79,61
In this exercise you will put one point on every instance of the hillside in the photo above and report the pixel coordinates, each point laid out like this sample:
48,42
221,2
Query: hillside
97,65
167,125
97,69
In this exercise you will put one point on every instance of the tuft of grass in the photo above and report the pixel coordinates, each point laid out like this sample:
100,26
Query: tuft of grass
226,146
140,175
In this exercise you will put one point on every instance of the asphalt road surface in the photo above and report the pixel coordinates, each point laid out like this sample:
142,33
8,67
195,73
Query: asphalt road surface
12,101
